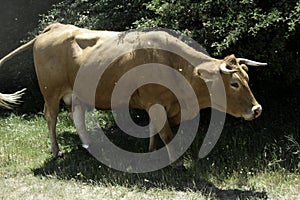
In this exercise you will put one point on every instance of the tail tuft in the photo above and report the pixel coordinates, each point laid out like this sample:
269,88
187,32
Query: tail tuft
9,100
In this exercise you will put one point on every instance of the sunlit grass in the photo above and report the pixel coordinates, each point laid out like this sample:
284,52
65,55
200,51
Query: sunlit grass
233,170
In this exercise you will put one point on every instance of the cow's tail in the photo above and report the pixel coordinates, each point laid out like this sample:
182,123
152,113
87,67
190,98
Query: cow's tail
17,51
8,100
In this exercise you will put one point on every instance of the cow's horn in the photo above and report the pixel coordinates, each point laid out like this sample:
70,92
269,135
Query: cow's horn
250,62
225,70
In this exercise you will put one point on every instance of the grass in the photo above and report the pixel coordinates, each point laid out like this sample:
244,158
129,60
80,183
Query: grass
235,169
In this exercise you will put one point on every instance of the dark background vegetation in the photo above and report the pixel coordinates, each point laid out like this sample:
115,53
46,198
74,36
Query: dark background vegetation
17,19
266,31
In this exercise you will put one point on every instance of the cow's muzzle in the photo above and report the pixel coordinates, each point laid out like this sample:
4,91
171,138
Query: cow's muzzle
255,112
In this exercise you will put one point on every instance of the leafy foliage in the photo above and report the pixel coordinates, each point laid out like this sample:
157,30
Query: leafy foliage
105,14
261,30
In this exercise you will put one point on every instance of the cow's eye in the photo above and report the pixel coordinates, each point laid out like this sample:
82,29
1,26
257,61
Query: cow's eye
235,85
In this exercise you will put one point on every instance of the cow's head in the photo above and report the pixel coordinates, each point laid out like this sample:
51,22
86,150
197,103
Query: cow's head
240,100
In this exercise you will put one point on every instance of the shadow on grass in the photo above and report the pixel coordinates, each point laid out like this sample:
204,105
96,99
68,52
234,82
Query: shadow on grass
80,165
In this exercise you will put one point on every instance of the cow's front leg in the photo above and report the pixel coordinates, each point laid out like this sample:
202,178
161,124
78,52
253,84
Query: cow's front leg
159,122
78,110
153,138
166,136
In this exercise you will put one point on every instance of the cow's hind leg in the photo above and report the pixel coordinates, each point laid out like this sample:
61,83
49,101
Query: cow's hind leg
51,110
77,115
78,109
166,135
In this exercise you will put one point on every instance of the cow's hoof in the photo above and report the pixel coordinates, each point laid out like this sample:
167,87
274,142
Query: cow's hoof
178,166
58,155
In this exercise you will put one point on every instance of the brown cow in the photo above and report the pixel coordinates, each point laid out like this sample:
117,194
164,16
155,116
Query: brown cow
61,50
7,100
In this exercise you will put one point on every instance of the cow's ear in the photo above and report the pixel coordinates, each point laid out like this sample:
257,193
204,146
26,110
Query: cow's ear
244,67
207,73
231,60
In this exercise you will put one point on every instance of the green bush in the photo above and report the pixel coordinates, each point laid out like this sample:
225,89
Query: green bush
115,15
261,30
